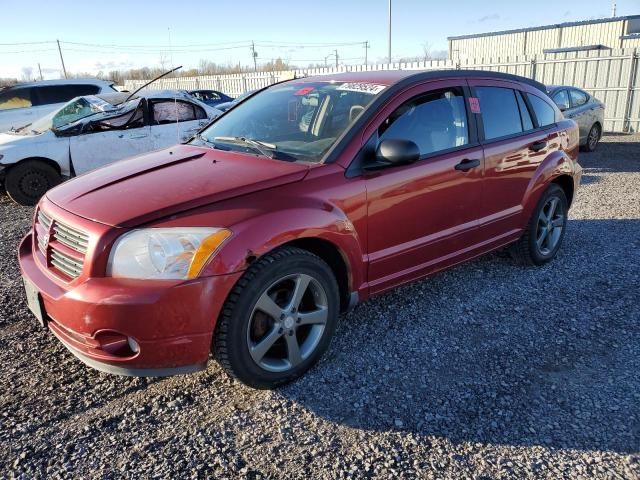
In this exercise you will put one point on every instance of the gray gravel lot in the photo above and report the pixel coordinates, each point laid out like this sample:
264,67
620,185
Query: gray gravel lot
489,370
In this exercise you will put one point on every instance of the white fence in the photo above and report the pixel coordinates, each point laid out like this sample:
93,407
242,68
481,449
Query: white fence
612,76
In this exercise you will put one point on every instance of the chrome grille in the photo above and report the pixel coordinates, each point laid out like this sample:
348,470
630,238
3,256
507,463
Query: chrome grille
71,237
58,257
66,264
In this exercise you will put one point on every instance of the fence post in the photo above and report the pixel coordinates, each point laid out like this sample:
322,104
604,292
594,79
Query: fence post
533,71
633,70
244,84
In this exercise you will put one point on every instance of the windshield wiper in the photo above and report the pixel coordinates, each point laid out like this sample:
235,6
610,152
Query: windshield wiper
256,144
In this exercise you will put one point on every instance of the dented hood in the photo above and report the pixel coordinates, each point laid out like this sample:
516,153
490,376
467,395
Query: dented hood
162,183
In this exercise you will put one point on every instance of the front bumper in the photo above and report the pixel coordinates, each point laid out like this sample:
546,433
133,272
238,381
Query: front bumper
172,322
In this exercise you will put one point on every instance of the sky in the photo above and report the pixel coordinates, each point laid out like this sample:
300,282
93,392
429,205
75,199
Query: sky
116,34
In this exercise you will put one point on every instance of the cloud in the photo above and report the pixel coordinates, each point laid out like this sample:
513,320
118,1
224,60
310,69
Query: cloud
488,18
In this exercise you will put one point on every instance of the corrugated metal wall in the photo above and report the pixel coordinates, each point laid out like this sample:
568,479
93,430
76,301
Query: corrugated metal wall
612,76
534,41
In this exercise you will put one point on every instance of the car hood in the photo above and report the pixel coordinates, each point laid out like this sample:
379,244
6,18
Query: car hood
162,183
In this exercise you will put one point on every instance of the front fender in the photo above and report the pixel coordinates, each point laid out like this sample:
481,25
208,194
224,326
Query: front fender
555,165
256,236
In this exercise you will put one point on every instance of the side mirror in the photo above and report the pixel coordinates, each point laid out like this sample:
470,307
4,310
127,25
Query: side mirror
394,152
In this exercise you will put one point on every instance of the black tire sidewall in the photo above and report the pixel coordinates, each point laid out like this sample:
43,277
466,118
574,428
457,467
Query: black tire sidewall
239,357
17,173
536,256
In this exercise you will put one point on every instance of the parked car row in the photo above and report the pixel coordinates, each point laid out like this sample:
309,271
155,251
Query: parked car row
301,201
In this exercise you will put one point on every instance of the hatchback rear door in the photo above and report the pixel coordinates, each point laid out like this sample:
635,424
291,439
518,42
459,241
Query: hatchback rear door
515,142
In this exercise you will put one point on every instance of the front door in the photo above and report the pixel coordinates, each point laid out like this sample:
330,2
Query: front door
419,214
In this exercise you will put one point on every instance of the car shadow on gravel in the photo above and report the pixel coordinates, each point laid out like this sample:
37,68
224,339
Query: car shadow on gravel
493,352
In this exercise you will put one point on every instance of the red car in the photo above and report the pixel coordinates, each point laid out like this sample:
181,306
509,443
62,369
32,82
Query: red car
303,200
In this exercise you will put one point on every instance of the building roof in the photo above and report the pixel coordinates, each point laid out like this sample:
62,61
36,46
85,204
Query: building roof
547,27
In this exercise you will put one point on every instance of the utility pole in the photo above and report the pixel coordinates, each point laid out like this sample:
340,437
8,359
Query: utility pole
389,31
254,55
64,69
613,9
336,51
40,70
366,51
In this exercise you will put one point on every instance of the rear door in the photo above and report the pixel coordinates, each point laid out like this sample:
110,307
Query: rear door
581,111
111,140
514,145
174,121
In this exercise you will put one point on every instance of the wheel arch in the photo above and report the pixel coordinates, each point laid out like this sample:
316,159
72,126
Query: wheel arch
46,160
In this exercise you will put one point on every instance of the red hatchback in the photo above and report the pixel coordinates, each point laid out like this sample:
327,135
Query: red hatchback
301,201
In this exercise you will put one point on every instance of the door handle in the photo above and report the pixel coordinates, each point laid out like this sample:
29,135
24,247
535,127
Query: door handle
467,164
537,146
138,136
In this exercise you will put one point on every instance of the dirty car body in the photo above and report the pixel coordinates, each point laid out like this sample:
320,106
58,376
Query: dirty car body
302,201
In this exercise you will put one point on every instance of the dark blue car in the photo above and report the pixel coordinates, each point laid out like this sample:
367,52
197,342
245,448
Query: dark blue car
210,97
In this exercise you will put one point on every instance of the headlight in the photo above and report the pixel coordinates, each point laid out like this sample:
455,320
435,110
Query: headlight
164,253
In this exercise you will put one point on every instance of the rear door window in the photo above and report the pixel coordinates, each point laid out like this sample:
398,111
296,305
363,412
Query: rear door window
169,111
62,93
544,112
435,121
500,112
15,98
578,98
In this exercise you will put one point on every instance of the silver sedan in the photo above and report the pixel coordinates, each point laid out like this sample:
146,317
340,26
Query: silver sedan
587,111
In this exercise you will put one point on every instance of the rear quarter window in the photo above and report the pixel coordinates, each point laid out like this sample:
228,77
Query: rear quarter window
544,112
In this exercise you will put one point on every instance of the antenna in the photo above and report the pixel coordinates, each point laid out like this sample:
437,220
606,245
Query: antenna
150,82
175,99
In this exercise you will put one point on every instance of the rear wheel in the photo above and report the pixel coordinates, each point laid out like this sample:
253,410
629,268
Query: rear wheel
279,318
544,234
593,137
27,181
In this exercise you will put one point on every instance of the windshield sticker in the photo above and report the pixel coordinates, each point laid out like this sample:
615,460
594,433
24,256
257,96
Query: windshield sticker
305,90
474,104
371,88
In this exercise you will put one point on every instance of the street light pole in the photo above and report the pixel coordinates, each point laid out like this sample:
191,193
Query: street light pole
389,31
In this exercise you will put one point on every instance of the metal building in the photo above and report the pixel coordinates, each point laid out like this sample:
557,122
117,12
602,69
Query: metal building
588,35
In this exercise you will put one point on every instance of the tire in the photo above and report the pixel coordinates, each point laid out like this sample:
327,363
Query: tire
259,348
593,137
28,180
535,247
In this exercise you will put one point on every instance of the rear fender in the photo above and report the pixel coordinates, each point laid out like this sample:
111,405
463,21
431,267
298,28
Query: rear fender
556,164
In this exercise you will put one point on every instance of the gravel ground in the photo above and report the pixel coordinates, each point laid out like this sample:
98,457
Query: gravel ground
489,370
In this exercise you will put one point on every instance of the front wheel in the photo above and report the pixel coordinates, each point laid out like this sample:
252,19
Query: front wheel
278,319
27,181
544,234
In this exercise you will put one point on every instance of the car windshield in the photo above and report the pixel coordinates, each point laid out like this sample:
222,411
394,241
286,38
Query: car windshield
295,121
74,110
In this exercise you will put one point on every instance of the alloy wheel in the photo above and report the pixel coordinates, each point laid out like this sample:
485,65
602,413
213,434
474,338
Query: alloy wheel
594,135
551,221
287,322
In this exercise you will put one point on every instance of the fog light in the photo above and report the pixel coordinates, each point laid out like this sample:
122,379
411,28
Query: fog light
133,345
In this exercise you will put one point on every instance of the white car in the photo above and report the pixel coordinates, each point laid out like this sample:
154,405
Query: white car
26,102
93,131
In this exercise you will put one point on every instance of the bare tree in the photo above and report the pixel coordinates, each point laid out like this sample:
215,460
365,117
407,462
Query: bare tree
27,74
